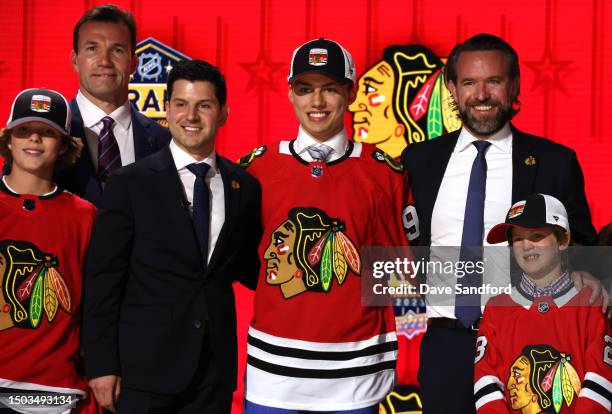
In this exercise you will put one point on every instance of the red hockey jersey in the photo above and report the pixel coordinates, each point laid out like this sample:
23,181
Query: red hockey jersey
311,344
43,240
549,356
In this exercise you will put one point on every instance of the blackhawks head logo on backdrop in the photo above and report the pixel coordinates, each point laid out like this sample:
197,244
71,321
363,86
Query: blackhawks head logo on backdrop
402,99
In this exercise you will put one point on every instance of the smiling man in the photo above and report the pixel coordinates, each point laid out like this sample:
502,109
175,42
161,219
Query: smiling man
463,183
113,132
173,232
312,345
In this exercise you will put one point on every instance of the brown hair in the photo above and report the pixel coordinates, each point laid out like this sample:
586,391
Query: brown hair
72,145
108,13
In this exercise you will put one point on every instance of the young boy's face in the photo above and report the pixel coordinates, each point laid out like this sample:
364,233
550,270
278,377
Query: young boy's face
537,252
35,148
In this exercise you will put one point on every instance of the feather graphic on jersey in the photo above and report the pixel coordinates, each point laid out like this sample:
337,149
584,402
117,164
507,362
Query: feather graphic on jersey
61,290
315,253
340,266
573,377
566,386
36,303
547,381
25,289
308,251
50,299
326,263
350,253
557,392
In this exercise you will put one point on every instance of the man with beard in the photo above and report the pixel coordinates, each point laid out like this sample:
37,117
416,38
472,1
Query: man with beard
449,176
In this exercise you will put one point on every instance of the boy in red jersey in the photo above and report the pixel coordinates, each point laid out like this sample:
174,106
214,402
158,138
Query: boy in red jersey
44,232
542,348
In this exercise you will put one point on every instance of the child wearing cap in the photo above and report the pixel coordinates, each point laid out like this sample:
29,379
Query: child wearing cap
542,348
44,233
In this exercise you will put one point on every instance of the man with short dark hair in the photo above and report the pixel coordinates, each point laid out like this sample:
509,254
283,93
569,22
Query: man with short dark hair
463,183
173,232
113,132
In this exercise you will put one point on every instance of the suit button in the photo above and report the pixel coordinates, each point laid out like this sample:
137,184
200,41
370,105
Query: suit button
197,324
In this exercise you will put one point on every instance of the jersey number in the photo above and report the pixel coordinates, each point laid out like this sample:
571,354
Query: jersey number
481,347
411,222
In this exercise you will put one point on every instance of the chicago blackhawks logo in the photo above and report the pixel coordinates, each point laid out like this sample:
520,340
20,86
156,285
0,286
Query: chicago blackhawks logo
307,251
31,286
402,99
541,379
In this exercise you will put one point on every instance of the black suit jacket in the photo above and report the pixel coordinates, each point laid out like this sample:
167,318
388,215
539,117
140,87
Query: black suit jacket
556,172
148,302
81,179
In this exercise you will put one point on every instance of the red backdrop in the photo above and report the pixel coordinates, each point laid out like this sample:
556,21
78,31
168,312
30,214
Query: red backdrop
564,49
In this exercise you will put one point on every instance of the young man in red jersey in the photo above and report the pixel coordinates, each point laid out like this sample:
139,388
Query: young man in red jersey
312,346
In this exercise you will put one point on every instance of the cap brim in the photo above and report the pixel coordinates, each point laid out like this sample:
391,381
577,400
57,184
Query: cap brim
340,80
45,121
498,233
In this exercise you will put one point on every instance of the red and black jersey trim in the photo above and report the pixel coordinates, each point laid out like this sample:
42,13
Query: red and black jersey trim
319,373
322,355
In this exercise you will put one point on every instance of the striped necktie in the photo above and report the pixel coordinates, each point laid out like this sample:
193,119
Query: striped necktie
109,158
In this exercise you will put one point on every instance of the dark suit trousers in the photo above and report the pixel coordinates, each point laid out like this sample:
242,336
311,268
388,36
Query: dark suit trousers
446,371
202,396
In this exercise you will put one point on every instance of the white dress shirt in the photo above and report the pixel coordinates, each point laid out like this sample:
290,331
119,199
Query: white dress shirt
449,210
122,128
338,143
215,185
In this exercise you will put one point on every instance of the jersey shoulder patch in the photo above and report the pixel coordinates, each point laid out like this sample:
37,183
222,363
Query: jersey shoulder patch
247,159
382,156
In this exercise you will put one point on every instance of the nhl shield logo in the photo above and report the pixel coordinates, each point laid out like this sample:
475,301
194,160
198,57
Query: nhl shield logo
543,307
40,103
317,57
149,66
147,90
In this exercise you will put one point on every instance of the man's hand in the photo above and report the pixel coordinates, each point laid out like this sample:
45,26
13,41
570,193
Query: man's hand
582,279
106,389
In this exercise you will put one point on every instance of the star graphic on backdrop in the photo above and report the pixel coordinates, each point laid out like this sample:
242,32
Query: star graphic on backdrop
168,67
548,71
262,72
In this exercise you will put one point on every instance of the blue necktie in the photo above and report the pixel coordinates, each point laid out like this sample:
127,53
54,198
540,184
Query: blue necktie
467,306
201,208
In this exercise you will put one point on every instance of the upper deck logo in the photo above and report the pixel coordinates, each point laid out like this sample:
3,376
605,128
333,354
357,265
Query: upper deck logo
147,91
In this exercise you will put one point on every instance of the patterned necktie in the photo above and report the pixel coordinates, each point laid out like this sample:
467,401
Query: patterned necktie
201,208
319,152
467,306
109,158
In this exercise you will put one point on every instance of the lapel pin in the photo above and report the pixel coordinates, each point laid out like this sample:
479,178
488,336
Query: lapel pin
530,160
235,185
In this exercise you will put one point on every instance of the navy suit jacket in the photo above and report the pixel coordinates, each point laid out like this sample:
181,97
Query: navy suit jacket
150,310
538,166
81,178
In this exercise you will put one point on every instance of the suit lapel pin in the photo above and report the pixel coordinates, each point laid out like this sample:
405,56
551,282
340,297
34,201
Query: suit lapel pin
530,160
235,185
